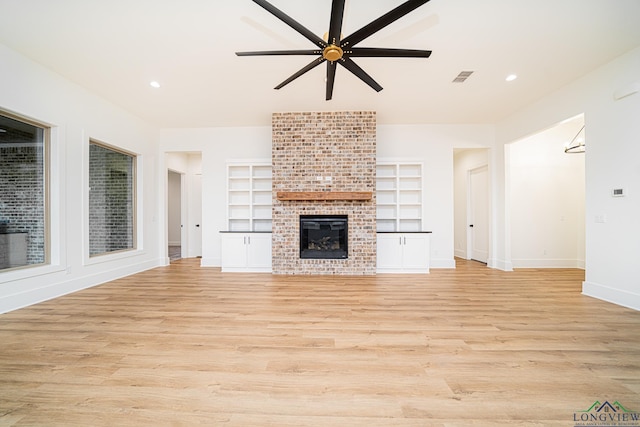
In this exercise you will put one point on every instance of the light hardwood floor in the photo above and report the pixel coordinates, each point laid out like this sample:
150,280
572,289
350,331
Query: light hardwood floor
183,346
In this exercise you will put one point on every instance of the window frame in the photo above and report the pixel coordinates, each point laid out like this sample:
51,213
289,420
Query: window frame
46,193
125,252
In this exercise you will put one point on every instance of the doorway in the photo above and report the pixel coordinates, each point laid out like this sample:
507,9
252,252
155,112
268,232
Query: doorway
184,204
546,194
471,204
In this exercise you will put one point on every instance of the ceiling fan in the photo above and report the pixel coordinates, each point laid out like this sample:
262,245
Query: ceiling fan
336,50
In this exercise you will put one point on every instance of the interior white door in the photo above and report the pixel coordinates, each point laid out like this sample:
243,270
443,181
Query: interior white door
479,214
195,241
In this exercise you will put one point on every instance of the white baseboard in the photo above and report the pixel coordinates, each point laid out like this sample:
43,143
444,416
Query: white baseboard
210,262
547,263
442,263
459,253
499,264
612,295
177,243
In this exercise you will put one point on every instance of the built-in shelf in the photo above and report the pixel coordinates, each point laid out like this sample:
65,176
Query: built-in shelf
249,197
399,196
324,195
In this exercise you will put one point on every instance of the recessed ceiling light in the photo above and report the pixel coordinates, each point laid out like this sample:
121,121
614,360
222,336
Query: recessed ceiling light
154,84
511,77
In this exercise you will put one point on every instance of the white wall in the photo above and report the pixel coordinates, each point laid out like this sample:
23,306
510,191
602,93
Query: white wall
434,145
547,191
217,146
431,144
76,115
612,160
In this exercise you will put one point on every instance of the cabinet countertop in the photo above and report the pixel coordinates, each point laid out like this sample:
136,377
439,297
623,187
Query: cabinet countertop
378,232
246,232
404,232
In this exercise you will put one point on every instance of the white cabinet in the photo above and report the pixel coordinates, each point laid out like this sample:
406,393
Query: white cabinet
399,197
249,196
403,252
246,252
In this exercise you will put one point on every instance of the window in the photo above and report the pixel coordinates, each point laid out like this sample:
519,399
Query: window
23,193
111,200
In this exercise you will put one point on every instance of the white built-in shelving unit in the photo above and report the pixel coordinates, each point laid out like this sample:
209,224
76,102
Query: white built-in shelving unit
249,197
399,196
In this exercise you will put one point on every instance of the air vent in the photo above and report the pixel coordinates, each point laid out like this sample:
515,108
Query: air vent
464,75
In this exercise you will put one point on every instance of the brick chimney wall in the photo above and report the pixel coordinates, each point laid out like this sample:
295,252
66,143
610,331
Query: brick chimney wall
340,146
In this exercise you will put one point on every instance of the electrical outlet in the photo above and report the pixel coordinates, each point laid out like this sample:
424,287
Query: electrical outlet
601,219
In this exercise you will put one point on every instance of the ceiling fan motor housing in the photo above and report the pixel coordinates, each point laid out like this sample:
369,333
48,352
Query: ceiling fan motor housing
332,53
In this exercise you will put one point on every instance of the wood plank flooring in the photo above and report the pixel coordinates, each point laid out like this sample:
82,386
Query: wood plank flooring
183,345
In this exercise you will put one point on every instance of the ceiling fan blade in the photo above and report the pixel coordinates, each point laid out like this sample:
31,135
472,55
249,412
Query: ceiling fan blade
335,25
374,52
280,52
380,23
360,73
313,64
291,22
331,78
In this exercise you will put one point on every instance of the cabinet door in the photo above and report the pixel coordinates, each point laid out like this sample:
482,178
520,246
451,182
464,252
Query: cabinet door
389,251
259,251
415,251
234,250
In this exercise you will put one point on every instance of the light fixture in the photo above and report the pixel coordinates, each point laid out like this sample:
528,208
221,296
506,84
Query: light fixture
511,77
577,143
154,84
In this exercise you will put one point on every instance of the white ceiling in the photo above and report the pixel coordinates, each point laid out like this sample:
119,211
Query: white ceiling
115,48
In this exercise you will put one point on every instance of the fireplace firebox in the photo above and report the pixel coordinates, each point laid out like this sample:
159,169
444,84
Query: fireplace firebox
324,236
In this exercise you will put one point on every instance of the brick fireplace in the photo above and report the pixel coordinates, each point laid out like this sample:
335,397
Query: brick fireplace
324,152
